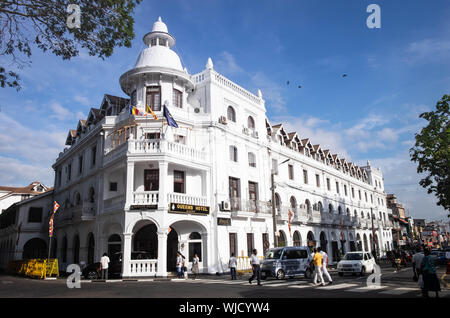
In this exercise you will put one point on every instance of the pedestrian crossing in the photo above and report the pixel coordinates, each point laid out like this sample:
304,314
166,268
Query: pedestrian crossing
299,284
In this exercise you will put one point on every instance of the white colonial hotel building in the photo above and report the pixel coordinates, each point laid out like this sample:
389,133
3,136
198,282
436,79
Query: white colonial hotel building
131,183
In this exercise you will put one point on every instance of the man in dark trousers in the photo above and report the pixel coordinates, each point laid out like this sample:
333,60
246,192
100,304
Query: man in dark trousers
256,267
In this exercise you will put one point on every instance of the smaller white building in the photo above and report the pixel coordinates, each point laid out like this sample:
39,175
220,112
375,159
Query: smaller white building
11,195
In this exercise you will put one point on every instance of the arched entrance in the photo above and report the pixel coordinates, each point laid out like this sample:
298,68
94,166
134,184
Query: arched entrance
297,239
282,242
352,242
91,248
366,247
310,241
335,248
359,242
146,240
187,237
34,248
114,244
172,248
76,249
323,242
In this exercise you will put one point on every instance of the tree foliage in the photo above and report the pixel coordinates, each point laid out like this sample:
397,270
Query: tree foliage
26,24
432,152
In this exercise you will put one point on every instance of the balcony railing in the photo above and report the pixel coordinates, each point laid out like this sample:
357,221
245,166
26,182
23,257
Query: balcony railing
145,198
240,206
143,267
186,199
160,146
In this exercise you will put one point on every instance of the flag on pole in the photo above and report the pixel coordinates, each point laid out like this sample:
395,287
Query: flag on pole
170,120
55,207
50,226
134,111
149,110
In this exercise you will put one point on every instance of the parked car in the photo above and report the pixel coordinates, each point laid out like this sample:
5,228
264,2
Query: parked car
356,262
92,271
286,261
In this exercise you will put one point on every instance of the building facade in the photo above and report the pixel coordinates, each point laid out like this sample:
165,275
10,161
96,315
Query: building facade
130,182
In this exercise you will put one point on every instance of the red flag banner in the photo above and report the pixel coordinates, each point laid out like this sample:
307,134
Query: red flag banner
289,223
55,207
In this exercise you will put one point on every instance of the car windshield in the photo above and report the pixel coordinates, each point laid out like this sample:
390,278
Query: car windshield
273,254
353,257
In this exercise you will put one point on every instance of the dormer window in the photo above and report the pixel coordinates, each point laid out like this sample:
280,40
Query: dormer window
177,98
251,122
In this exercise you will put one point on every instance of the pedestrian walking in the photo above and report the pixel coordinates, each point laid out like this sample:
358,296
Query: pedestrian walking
417,265
104,262
256,267
179,265
325,265
232,264
184,272
430,279
195,262
318,261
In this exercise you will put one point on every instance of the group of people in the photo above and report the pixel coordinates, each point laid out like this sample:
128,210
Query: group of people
181,265
425,273
320,264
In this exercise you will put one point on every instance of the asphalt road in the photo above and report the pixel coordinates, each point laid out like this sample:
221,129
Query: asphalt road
392,285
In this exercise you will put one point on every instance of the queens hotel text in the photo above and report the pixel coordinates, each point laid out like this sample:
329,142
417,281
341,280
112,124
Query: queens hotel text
128,182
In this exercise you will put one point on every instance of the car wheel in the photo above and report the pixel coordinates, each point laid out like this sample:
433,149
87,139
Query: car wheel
308,273
363,271
280,274
341,274
92,275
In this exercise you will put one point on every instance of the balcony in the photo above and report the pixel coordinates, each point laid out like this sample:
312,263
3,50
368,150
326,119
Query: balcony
314,217
249,208
160,146
347,221
84,212
143,267
327,217
186,199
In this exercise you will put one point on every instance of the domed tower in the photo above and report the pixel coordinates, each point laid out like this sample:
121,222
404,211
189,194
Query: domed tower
158,77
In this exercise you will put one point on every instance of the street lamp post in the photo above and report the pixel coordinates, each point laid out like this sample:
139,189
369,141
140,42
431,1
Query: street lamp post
274,213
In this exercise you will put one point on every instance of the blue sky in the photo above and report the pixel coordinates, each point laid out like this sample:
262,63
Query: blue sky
394,74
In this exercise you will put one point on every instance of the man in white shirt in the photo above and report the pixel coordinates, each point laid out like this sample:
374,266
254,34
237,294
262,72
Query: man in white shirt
256,267
233,264
417,262
104,261
325,265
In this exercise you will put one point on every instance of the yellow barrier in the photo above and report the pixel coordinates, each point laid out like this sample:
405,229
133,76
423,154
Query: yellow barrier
36,268
243,264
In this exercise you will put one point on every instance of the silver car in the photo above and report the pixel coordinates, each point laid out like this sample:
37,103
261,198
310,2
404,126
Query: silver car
286,261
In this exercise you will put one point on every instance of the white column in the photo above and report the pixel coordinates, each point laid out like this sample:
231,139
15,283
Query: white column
205,251
130,184
162,253
163,186
126,254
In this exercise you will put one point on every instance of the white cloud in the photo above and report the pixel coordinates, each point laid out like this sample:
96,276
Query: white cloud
83,100
388,134
271,91
428,50
59,112
227,64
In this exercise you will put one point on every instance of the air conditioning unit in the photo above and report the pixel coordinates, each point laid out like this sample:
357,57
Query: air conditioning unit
223,120
226,206
255,134
245,130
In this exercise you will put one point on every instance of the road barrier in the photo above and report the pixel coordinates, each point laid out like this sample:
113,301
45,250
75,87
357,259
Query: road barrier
243,264
35,268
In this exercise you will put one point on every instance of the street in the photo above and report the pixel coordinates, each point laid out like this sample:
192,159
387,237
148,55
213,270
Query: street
393,284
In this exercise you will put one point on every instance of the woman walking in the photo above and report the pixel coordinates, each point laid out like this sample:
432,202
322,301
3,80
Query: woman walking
430,279
179,265
195,262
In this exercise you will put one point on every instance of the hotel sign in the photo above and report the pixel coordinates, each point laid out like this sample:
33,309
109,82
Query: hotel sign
188,208
224,221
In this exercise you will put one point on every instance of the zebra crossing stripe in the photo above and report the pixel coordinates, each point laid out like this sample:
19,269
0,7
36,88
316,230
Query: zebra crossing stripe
284,284
338,286
366,289
398,291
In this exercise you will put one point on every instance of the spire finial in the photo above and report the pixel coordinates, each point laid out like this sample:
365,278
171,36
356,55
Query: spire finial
259,93
159,19
209,64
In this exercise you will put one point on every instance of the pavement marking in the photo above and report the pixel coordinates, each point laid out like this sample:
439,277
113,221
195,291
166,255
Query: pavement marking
366,289
285,284
398,291
338,286
301,286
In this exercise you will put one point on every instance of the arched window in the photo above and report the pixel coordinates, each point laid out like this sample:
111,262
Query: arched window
330,208
231,114
356,213
293,202
91,248
277,201
339,210
233,154
251,159
308,206
319,206
251,122
348,212
77,199
114,245
91,195
76,249
195,236
362,215
297,239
